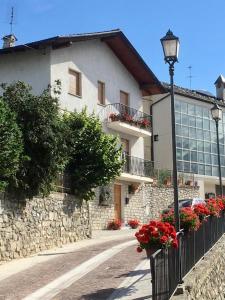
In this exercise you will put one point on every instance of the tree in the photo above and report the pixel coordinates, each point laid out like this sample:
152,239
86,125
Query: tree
39,122
94,158
11,145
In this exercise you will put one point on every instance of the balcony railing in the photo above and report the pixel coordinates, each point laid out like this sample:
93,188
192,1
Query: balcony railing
137,166
120,112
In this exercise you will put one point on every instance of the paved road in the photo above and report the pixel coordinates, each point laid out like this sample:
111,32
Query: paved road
102,268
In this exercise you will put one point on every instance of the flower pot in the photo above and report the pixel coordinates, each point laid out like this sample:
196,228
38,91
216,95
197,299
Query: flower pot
150,251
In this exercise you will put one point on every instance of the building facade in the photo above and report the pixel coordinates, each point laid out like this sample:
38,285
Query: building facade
196,141
104,73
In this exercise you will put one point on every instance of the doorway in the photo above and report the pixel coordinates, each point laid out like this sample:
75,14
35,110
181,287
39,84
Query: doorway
117,201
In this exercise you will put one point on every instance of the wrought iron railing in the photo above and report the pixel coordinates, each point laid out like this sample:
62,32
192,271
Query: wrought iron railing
120,112
137,166
193,245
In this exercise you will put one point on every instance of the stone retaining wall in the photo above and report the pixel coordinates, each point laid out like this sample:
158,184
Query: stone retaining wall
158,198
41,223
147,202
207,280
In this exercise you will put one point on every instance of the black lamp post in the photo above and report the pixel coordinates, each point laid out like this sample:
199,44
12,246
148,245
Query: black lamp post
170,44
216,112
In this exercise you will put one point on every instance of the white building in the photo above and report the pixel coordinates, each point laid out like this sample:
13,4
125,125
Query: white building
103,72
195,134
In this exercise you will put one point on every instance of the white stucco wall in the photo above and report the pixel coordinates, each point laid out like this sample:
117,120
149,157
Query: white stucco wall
31,66
95,61
162,128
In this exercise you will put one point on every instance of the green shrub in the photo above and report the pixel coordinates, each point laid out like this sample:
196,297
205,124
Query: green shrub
94,158
38,119
11,145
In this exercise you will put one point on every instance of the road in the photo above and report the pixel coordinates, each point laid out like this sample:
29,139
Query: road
106,267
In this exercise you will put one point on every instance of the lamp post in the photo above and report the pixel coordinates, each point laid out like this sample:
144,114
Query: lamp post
170,44
216,113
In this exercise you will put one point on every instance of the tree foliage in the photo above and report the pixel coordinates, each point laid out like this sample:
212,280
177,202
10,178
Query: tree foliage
11,145
38,119
94,158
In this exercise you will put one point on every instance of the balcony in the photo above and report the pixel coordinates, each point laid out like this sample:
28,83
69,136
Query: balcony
136,169
128,120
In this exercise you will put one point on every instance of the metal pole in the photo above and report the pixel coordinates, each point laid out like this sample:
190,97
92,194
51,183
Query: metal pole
218,153
175,187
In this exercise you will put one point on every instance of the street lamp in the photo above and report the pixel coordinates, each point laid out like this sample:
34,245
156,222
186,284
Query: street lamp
216,112
170,44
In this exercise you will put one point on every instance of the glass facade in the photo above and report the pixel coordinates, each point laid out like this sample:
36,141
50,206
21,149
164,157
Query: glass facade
196,140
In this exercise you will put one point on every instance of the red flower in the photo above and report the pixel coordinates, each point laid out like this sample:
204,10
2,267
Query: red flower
156,234
139,249
163,239
175,244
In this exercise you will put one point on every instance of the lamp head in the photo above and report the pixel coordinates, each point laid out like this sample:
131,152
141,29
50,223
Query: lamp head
170,44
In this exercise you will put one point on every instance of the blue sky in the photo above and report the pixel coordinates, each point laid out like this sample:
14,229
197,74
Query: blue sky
198,23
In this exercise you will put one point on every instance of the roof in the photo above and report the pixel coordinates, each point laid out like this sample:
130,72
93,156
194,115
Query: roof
119,44
197,95
220,79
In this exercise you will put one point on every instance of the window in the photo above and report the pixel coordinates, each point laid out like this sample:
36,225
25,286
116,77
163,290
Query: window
101,92
124,98
125,146
74,83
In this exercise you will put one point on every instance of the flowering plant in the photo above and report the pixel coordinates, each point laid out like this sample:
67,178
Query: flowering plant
156,234
221,202
214,207
114,117
114,224
188,218
144,123
201,211
133,223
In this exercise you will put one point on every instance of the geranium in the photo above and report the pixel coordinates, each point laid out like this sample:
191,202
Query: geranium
168,216
133,223
221,202
114,224
201,211
156,234
189,220
213,207
113,117
144,123
127,118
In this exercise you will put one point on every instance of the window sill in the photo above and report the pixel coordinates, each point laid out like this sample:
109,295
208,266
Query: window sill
78,96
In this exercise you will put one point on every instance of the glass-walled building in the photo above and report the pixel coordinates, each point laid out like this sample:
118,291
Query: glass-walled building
196,139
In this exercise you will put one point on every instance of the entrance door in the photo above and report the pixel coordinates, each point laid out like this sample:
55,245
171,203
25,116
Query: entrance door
117,201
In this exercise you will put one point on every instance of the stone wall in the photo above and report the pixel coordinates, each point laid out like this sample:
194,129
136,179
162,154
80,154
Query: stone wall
41,223
207,280
145,203
102,213
158,198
